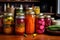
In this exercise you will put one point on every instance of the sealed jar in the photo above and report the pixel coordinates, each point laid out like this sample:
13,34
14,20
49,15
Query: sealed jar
37,10
1,22
30,23
40,24
7,29
20,24
48,21
9,19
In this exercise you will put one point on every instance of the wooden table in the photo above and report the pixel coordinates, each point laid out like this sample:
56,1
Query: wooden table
29,37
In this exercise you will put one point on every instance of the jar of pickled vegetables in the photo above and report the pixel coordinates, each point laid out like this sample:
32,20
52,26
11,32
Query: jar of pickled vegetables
37,10
1,22
20,24
30,23
40,24
7,29
48,21
9,19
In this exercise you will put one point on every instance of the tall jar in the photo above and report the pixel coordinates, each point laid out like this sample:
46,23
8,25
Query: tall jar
7,29
8,19
20,24
40,25
1,23
30,23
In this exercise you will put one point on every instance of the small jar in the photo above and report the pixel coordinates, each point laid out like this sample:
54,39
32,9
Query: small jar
37,10
48,21
7,29
9,19
53,21
20,24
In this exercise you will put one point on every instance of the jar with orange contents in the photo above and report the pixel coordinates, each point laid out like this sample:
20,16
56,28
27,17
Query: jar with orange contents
20,24
7,29
30,23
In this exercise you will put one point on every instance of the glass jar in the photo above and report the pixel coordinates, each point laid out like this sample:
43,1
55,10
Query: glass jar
1,22
37,10
48,21
30,23
20,24
9,19
7,29
40,24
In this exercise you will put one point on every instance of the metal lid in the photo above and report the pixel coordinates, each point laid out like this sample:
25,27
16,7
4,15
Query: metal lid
41,16
10,14
32,12
49,16
30,8
52,18
20,16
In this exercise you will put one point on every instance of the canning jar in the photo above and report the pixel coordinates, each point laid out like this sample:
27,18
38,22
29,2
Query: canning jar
20,24
1,22
48,21
40,24
37,10
7,29
30,23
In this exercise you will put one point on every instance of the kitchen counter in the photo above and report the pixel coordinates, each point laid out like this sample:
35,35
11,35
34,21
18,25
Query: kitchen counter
29,37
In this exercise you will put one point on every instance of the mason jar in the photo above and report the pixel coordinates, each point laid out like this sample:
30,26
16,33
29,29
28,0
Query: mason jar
20,24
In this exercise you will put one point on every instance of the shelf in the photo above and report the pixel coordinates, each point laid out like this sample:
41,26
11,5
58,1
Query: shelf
20,1
49,13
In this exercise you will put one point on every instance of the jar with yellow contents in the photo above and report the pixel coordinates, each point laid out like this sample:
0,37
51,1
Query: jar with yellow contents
37,10
9,19
20,25
7,29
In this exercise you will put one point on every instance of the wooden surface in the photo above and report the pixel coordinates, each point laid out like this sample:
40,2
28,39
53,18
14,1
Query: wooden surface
29,37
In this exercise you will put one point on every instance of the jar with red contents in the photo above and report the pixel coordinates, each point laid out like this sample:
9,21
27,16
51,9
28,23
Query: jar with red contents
1,22
48,21
40,25
20,24
7,29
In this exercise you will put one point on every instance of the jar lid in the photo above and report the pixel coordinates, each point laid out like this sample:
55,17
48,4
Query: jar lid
52,18
10,14
20,16
32,12
30,8
41,16
48,16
